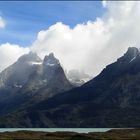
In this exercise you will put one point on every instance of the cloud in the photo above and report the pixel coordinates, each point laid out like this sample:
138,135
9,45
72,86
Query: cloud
2,22
93,45
76,48
9,53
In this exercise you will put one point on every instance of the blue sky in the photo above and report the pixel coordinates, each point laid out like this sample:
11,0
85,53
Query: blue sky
25,19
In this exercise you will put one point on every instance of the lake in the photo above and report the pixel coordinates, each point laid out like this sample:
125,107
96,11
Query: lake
78,130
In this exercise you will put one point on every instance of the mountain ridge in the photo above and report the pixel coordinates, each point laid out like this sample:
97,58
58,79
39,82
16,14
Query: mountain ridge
101,102
38,81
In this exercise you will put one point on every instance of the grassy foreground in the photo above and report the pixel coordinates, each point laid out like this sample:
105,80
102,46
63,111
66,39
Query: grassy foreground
121,134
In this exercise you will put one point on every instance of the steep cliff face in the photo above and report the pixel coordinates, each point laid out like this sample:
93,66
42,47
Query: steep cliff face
16,75
48,79
30,80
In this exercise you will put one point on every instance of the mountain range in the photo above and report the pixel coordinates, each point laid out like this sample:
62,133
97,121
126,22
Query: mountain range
30,80
36,93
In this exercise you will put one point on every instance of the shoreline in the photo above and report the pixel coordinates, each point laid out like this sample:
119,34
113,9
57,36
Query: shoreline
78,130
113,134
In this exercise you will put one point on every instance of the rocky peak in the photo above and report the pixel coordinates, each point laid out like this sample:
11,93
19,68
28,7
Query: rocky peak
31,56
50,60
132,53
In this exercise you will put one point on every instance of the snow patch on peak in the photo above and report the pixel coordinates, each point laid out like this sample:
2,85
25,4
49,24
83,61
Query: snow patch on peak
45,81
132,59
34,63
48,64
17,86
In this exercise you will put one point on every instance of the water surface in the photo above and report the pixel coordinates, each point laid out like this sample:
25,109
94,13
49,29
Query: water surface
78,130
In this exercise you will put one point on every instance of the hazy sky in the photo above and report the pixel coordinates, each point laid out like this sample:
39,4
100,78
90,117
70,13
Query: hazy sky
83,35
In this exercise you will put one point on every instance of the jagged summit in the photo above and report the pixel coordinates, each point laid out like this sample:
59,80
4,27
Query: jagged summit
31,56
50,60
18,73
132,51
131,54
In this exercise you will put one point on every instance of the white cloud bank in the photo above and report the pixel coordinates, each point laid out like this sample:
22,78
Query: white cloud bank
9,53
93,45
